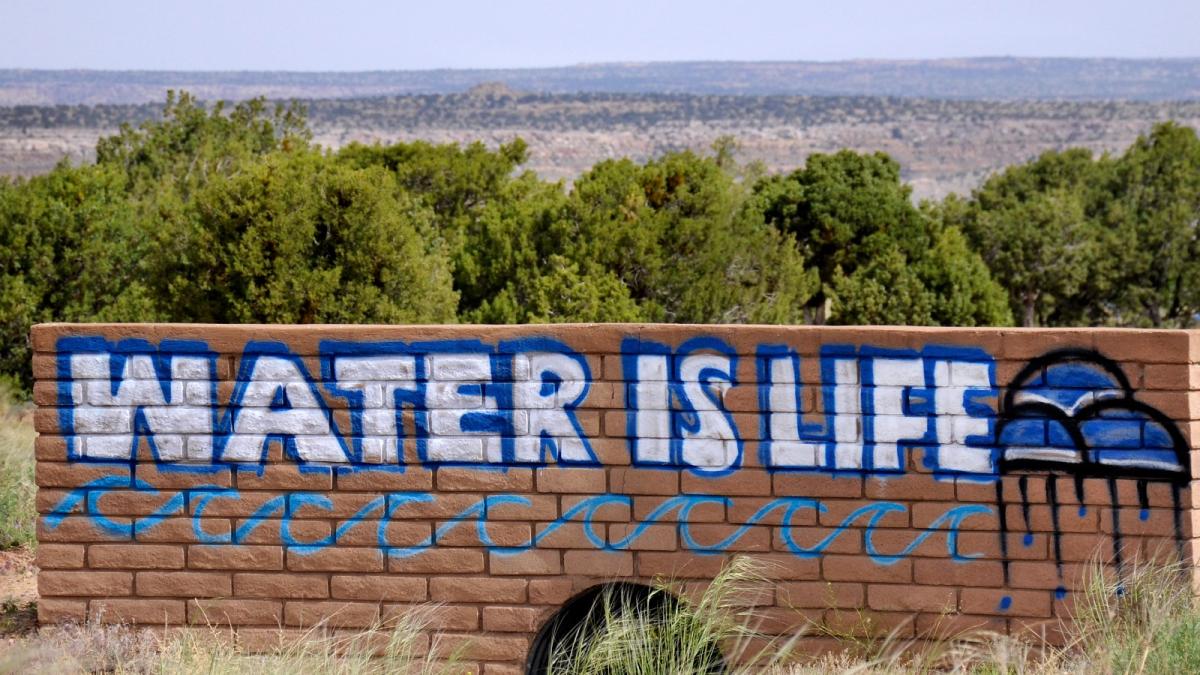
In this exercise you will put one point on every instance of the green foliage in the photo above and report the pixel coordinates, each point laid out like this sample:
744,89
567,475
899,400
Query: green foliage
1034,225
70,250
1155,213
294,238
18,490
230,214
880,259
1084,241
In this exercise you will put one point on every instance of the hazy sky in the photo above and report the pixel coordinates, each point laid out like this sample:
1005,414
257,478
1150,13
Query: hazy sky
357,35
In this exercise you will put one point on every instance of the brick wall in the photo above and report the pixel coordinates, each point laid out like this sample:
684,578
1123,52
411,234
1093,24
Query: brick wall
942,479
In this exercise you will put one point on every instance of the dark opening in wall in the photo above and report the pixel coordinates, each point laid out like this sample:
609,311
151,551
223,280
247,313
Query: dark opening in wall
571,629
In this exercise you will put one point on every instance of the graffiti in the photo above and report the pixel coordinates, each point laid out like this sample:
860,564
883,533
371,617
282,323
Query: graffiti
280,512
1072,413
1065,417
516,403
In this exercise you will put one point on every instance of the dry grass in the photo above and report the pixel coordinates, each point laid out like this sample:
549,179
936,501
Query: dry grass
401,647
18,512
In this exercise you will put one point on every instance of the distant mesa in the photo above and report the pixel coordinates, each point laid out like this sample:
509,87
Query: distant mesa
493,90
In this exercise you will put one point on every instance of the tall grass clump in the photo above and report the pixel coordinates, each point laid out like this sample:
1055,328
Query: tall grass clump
18,513
676,634
1146,622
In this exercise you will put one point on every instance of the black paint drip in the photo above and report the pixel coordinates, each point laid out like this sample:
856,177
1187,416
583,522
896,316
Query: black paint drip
1052,497
1143,499
1003,527
1079,495
1023,488
1176,488
1116,525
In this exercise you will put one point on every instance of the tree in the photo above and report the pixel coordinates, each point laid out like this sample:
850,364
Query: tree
1155,215
294,238
1037,226
879,258
70,250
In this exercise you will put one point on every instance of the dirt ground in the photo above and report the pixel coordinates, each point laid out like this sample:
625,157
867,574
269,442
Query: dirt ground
18,594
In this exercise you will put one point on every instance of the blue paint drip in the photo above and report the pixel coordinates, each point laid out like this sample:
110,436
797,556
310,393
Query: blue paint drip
1005,603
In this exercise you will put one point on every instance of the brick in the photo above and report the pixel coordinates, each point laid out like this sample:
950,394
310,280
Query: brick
839,541
399,534
270,531
443,505
1069,518
819,594
183,530
60,610
168,479
744,481
944,572
605,564
958,626
908,598
916,487
50,500
379,588
135,556
512,479
59,556
862,568
336,559
525,563
611,511
184,584
513,619
534,507
234,612
1005,602
463,533
636,481
64,475
435,617
1021,545
750,510
550,591
79,529
332,614
341,505
298,586
235,557
374,480
925,514
285,477
643,537
439,561
477,589
139,503
678,565
569,535
732,537
137,611
874,624
839,511
572,481
84,583
1045,575
482,647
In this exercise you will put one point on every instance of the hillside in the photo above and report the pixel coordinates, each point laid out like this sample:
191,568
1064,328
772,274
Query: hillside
974,78
943,144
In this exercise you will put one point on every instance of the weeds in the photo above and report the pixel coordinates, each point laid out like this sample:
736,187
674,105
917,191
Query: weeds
401,647
18,512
